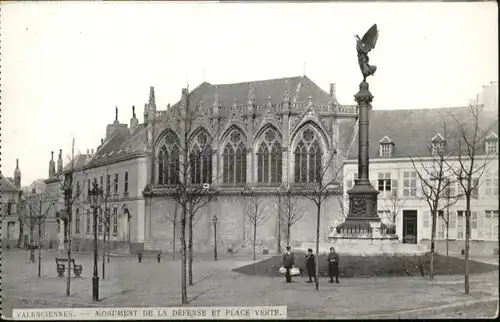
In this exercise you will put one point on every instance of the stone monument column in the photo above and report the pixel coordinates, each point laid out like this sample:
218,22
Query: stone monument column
362,216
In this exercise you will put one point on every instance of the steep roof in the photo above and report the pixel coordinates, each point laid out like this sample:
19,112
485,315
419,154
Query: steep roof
411,130
120,145
6,184
300,88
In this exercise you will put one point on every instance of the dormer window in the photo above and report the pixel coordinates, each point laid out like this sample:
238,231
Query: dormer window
386,145
491,144
437,144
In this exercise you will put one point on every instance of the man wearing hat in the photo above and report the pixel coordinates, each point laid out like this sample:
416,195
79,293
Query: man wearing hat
288,263
333,265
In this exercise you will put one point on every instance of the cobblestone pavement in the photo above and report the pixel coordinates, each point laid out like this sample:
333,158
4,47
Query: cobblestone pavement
150,283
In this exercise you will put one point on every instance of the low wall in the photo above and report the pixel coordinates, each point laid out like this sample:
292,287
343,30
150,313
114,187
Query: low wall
477,248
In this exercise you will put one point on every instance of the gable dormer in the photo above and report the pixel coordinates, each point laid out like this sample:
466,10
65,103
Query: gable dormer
437,144
491,143
386,147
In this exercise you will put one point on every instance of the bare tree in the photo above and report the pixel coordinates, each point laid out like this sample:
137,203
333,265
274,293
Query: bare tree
321,185
173,218
72,192
444,213
38,206
255,212
108,218
393,204
472,161
185,176
290,212
434,177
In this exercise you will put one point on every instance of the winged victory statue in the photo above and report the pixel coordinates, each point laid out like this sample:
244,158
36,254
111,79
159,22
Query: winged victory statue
363,47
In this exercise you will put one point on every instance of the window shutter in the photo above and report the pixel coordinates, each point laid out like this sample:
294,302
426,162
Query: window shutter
480,226
426,219
394,188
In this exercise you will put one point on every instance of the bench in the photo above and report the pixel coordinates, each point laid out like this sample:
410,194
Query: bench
61,268
231,251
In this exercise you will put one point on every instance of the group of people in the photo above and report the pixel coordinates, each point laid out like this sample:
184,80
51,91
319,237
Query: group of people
333,265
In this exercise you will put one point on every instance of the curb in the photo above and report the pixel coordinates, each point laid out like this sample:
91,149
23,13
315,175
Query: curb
53,303
430,311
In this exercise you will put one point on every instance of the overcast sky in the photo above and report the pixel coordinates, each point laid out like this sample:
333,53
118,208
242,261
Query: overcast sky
66,65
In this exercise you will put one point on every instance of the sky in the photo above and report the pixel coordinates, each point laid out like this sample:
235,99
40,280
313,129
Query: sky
65,66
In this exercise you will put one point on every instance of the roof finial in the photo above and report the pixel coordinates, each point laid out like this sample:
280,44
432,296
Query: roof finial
116,113
304,70
133,111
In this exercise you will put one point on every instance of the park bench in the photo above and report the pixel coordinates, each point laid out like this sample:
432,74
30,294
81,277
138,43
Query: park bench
61,268
231,251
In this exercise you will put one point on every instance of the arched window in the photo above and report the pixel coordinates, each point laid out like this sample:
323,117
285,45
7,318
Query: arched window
201,160
168,161
269,159
308,166
235,160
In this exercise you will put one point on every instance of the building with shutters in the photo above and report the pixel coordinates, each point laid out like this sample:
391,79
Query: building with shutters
401,139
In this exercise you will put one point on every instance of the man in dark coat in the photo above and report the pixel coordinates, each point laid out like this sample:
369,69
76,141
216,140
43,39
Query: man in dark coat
288,263
311,265
333,265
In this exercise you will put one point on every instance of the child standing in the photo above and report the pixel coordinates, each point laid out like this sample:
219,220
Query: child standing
311,265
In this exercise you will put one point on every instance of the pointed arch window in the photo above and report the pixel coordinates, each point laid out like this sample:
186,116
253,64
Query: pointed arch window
168,161
308,162
201,161
269,159
234,160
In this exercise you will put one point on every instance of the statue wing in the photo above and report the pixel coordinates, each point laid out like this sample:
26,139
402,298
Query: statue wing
370,38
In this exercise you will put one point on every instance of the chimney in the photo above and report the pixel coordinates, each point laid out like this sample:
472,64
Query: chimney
102,141
60,162
52,165
134,122
88,152
116,114
333,91
92,152
17,175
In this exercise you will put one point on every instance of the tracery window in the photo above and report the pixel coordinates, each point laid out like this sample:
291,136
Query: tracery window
201,160
269,159
235,160
168,161
308,165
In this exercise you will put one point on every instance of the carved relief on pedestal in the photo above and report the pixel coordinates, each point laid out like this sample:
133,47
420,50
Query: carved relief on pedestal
358,207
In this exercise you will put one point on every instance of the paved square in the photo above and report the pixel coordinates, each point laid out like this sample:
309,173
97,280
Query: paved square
149,283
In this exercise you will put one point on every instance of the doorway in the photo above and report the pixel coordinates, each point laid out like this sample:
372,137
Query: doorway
410,226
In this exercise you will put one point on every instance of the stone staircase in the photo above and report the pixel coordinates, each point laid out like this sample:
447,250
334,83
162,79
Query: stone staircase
120,252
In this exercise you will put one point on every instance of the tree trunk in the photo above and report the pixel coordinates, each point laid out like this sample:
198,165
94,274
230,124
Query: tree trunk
39,250
173,241
109,245
318,215
104,254
190,250
254,239
68,280
467,239
32,243
183,256
288,226
433,240
20,240
447,235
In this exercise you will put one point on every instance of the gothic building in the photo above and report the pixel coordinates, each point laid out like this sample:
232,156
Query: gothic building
247,141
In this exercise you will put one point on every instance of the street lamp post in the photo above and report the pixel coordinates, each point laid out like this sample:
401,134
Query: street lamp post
95,199
214,221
